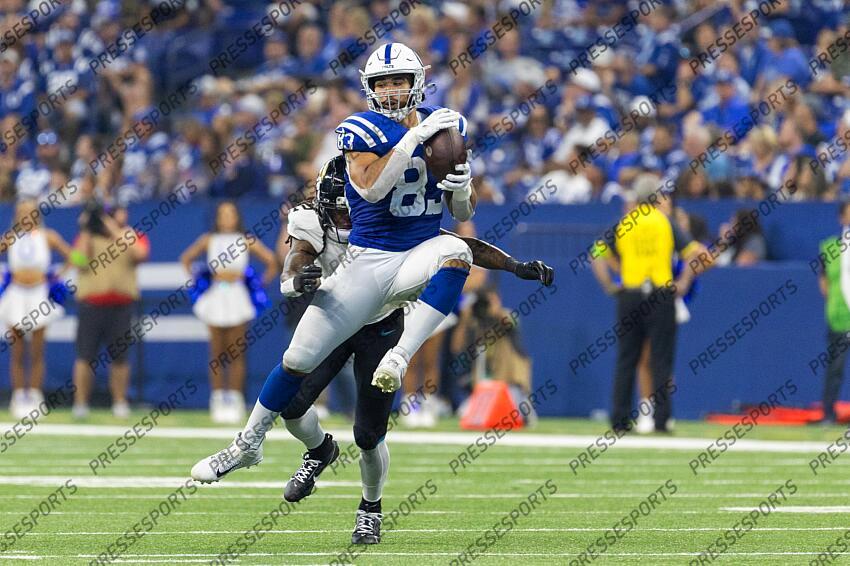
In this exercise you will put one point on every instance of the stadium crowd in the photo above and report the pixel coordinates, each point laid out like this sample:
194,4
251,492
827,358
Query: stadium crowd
131,99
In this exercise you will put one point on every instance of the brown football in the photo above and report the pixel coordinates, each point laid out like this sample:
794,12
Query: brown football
443,151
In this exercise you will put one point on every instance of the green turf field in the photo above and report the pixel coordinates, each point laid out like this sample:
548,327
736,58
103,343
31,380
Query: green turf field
442,525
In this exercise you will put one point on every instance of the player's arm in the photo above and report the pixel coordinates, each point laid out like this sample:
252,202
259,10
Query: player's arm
300,274
488,256
373,177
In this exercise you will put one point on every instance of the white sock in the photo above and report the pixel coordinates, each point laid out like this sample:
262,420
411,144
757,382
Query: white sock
374,466
422,321
307,429
259,423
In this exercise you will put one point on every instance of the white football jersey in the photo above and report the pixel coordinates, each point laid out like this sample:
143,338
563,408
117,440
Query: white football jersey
304,225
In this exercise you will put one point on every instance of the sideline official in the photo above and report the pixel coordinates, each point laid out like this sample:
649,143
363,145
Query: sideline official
834,283
644,243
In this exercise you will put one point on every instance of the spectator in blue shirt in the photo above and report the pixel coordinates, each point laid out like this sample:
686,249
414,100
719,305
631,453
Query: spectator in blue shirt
786,59
309,43
730,109
17,95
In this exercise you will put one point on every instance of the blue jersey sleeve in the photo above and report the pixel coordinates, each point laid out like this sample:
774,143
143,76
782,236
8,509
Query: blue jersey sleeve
360,133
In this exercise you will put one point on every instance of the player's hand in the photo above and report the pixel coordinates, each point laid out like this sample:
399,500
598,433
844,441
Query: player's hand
438,120
459,182
307,279
536,270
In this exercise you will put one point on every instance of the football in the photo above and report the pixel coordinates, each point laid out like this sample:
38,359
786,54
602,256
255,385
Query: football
443,151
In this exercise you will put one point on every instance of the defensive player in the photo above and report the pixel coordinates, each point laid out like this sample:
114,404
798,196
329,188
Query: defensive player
319,232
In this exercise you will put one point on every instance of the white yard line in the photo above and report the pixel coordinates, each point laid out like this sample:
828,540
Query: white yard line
131,557
814,509
452,438
400,493
153,482
424,530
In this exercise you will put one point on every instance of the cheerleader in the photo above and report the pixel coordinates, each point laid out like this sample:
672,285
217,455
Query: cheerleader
226,303
27,305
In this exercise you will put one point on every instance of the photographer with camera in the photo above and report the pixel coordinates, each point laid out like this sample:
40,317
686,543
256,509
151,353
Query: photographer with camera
106,252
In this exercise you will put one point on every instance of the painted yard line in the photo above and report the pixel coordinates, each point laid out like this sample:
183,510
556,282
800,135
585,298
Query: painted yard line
423,512
402,494
798,509
525,440
424,553
519,530
141,482
151,482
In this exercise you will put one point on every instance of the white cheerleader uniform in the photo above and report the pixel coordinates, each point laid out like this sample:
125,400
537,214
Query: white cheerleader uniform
28,308
226,303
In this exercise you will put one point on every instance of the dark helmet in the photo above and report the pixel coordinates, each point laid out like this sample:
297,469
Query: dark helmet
330,195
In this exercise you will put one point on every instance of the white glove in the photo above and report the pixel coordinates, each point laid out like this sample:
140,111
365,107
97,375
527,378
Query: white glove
459,184
438,120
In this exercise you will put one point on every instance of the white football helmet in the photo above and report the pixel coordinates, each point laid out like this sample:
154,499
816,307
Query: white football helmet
394,59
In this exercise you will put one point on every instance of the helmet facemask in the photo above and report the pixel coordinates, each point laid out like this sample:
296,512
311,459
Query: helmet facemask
331,203
392,109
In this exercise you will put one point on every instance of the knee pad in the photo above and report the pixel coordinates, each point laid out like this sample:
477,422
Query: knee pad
369,438
299,359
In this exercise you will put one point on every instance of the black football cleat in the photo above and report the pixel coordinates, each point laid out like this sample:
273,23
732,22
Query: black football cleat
367,528
301,484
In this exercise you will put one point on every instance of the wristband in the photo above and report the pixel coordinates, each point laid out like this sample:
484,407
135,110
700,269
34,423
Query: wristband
407,144
288,288
511,264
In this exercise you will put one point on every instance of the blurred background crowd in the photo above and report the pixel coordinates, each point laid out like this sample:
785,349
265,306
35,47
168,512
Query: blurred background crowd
103,97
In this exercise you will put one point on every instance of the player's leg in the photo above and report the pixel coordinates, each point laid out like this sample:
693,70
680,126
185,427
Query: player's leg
302,421
342,305
442,265
246,450
371,418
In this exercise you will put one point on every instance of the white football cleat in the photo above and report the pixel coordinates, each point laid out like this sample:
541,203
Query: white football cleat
390,371
237,455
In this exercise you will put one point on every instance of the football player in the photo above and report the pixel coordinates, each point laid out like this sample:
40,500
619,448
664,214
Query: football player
319,233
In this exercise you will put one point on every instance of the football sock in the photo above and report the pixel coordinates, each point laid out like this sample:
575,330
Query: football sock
307,429
280,388
374,466
260,421
370,506
434,305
